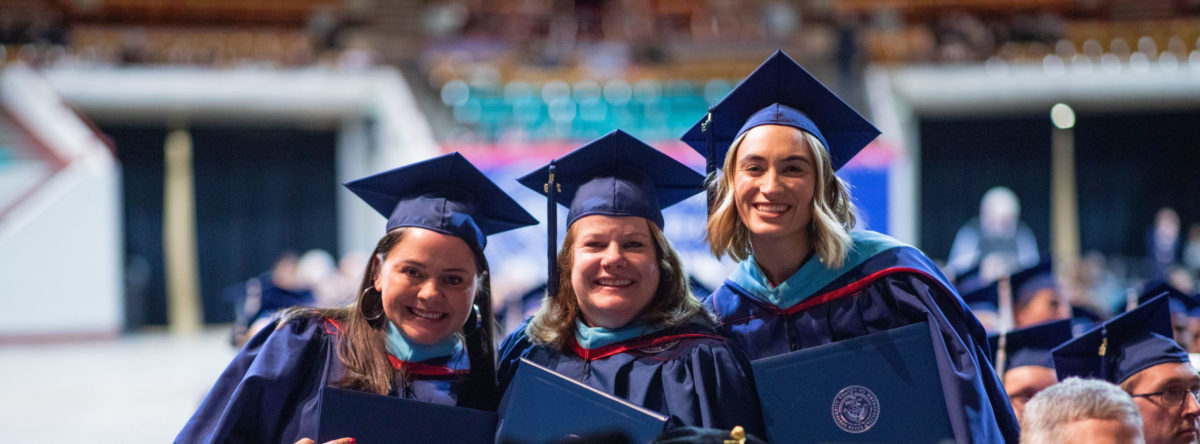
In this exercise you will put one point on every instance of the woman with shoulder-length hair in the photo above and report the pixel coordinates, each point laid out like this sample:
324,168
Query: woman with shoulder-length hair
623,320
804,278
420,329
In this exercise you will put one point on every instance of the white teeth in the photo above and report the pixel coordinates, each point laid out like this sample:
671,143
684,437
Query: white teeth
432,315
614,282
771,208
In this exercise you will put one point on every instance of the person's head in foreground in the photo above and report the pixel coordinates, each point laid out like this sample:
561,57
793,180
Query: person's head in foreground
1079,411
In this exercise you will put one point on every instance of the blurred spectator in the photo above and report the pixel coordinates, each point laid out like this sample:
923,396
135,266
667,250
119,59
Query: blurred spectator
445,19
324,28
1082,411
1162,242
1037,297
1191,250
997,242
358,55
1180,278
781,20
257,300
962,37
315,271
1093,285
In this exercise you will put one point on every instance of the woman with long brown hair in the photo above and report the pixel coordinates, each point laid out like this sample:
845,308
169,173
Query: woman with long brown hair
421,328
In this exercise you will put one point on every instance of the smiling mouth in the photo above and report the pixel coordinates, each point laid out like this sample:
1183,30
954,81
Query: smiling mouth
619,283
771,208
426,314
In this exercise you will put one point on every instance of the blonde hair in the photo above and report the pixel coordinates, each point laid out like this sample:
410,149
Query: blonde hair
673,304
833,213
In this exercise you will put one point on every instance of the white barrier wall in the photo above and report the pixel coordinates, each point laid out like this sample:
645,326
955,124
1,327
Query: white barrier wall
60,247
60,261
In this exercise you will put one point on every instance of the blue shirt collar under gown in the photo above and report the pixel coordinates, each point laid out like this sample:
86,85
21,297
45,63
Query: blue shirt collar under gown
596,337
812,276
399,346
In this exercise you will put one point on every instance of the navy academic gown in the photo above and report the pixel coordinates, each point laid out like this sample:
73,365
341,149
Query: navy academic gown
689,373
269,392
884,284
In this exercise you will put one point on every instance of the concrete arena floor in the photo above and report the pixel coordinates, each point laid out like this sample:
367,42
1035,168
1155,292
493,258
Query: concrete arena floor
139,388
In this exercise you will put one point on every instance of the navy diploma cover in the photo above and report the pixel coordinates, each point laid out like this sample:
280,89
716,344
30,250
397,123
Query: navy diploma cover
371,418
881,387
544,406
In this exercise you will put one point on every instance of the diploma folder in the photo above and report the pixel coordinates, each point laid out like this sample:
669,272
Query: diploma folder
376,419
881,387
544,406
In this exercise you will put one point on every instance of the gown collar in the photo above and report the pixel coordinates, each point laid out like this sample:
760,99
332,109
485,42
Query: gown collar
596,337
404,350
812,276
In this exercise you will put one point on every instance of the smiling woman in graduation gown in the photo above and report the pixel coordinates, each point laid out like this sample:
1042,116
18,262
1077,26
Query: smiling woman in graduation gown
804,278
622,319
412,332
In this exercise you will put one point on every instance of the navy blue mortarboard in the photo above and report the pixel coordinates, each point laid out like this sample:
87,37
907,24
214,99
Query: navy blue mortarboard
615,175
446,194
1179,302
1027,282
780,92
1126,344
1029,345
1023,284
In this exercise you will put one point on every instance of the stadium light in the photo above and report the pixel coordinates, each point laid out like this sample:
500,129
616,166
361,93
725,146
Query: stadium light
1062,116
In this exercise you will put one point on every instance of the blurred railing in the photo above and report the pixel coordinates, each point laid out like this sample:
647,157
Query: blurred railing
583,110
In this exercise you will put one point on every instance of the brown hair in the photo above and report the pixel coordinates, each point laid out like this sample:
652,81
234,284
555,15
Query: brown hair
673,304
833,214
362,344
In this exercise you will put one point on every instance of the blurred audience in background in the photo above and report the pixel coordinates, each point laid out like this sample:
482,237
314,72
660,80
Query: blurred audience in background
1162,241
1191,250
997,242
308,280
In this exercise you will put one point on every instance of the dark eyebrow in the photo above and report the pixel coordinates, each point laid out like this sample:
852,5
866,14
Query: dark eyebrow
421,265
1179,381
414,263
